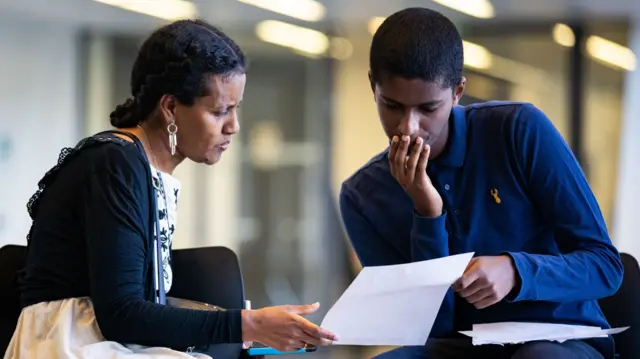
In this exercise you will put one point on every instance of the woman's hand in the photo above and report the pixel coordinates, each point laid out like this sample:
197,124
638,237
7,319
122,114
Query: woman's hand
283,328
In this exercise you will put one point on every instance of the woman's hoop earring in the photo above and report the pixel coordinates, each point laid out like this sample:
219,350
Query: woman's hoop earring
173,139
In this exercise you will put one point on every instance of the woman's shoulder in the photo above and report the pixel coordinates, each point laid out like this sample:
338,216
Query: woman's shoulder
101,160
101,157
110,153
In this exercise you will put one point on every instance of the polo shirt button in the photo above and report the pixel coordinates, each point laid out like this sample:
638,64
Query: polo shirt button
456,212
447,187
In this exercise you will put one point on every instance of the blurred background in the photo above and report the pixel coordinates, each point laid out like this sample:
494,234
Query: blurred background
308,119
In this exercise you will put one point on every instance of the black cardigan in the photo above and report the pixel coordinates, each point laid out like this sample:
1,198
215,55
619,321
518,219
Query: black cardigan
91,237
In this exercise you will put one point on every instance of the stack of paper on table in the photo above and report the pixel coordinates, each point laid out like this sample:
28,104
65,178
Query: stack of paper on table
517,332
394,305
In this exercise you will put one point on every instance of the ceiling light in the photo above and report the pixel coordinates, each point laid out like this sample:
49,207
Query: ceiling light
340,48
374,23
563,35
164,9
298,38
308,10
611,53
476,56
476,8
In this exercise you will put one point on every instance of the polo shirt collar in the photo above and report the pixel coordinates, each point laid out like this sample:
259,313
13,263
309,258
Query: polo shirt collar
456,147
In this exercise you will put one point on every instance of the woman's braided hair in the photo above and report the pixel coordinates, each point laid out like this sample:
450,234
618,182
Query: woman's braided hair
176,60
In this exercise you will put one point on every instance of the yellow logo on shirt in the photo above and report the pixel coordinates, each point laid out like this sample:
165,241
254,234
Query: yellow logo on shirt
494,194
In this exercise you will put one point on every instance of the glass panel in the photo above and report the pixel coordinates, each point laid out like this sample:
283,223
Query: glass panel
525,66
602,117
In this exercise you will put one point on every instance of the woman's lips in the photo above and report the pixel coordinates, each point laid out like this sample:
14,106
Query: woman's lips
223,146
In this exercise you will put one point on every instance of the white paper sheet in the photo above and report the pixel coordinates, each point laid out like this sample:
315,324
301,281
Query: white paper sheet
521,332
394,305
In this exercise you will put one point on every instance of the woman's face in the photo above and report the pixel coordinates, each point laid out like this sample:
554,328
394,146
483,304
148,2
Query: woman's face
205,129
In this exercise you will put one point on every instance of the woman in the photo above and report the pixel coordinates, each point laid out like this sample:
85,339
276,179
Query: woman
89,281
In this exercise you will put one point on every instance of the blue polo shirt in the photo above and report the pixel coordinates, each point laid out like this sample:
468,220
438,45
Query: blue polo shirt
510,185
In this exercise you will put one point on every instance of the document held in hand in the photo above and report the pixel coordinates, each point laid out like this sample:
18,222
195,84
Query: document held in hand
522,332
394,305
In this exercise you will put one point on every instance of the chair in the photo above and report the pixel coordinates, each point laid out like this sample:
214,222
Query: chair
621,309
12,260
210,275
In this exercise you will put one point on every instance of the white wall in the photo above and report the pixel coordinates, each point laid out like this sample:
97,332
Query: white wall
626,219
208,209
357,133
38,112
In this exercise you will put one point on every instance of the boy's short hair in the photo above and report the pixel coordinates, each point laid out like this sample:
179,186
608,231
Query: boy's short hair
417,43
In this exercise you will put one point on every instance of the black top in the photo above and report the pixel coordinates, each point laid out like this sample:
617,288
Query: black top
90,237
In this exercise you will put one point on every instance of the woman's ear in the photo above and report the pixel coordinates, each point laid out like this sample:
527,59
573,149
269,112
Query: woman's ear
167,108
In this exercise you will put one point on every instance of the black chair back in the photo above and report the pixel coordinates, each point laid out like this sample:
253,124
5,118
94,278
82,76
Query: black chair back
621,309
210,275
12,260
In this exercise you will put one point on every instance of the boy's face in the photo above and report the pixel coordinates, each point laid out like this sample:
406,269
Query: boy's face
416,108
